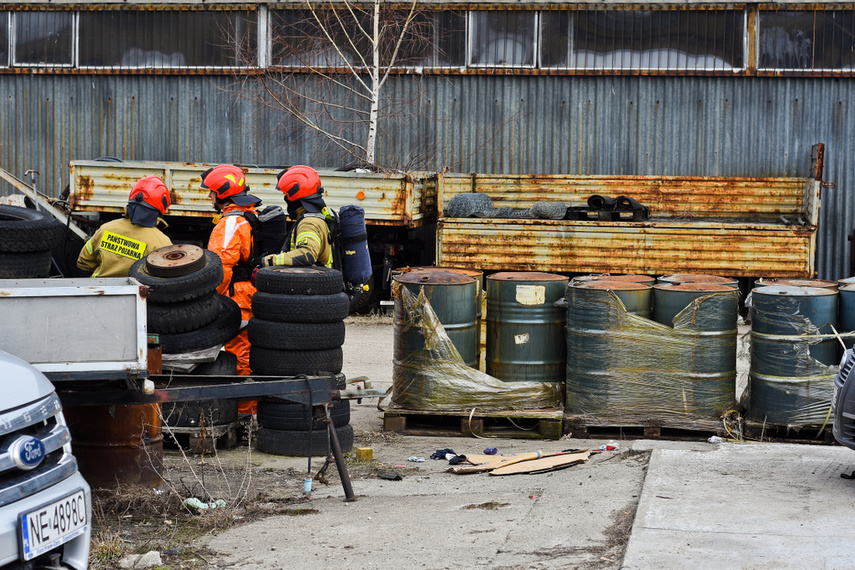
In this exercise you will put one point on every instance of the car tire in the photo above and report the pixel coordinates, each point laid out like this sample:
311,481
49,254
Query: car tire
297,442
310,280
274,413
300,308
181,288
166,318
25,230
24,265
272,362
189,414
295,336
225,327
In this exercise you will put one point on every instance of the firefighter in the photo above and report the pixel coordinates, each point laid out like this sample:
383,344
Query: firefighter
118,244
310,242
231,240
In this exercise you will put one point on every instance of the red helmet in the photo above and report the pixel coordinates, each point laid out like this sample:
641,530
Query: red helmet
225,181
299,182
152,191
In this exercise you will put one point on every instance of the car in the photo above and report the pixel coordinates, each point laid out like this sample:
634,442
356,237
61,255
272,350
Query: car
45,503
843,401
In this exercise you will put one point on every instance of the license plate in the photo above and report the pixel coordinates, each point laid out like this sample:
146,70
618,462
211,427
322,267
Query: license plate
49,526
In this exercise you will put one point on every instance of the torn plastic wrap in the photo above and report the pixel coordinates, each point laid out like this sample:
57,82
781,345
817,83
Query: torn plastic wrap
624,367
794,355
434,377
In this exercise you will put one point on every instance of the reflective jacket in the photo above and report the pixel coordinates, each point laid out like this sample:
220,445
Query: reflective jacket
309,243
117,245
231,240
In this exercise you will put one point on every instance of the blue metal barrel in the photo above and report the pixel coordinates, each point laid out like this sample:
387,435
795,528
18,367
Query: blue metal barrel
846,313
646,279
525,331
792,372
635,296
669,299
697,278
789,282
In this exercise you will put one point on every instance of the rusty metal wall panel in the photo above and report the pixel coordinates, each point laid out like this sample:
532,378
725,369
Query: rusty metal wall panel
386,199
733,250
668,126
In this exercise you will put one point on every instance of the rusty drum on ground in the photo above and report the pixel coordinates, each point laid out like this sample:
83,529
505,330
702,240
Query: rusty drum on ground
669,299
525,330
454,298
793,350
846,311
118,444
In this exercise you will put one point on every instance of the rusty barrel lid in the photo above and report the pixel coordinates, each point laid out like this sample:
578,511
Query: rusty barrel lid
610,277
697,278
614,285
701,287
788,282
433,277
792,291
526,276
428,268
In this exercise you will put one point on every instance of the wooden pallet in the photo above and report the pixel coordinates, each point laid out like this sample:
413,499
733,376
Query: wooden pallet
519,424
588,427
208,438
783,433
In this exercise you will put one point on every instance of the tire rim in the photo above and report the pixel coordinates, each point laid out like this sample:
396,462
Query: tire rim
175,260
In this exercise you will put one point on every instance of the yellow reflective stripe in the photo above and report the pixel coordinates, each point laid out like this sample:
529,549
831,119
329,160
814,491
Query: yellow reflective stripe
122,245
307,235
89,246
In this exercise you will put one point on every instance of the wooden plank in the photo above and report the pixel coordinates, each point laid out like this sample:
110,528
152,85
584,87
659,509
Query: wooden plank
520,424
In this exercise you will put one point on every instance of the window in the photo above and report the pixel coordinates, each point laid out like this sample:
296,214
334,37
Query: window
806,40
502,38
658,39
43,38
167,39
4,39
299,40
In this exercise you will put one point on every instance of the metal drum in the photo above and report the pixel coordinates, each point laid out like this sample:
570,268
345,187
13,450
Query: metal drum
646,279
453,297
670,299
525,331
787,282
846,281
846,314
636,297
791,379
117,444
696,278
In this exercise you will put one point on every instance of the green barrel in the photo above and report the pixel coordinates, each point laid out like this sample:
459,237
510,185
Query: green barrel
696,278
787,282
846,313
646,279
525,330
792,374
453,298
635,296
670,299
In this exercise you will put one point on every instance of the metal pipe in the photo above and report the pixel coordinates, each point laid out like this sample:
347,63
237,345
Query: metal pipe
340,464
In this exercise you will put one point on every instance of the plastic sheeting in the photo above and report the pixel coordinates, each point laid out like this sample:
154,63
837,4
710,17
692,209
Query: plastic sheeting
436,378
789,382
624,367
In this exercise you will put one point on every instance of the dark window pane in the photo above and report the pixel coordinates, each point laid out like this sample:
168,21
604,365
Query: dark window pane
658,39
43,38
319,39
555,39
821,39
164,39
4,39
432,39
503,38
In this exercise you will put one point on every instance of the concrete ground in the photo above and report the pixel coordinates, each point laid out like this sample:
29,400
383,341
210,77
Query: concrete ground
647,504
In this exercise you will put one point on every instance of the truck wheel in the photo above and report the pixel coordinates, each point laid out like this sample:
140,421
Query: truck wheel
189,414
276,414
300,308
220,331
295,336
23,229
184,316
297,443
181,288
175,260
272,362
24,265
224,365
313,280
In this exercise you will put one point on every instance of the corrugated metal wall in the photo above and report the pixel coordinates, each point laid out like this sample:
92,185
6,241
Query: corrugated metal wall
736,126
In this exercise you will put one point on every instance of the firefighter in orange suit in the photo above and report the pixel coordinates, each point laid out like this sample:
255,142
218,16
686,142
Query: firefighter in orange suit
118,244
231,240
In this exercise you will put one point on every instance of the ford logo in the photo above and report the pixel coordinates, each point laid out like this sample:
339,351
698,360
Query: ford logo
27,452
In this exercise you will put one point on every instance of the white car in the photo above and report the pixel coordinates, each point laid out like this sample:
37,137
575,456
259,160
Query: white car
45,504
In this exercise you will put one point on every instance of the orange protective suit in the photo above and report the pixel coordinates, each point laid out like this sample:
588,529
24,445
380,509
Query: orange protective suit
231,240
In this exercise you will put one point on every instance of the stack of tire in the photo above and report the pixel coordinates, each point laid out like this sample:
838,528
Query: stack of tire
297,329
183,306
26,240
